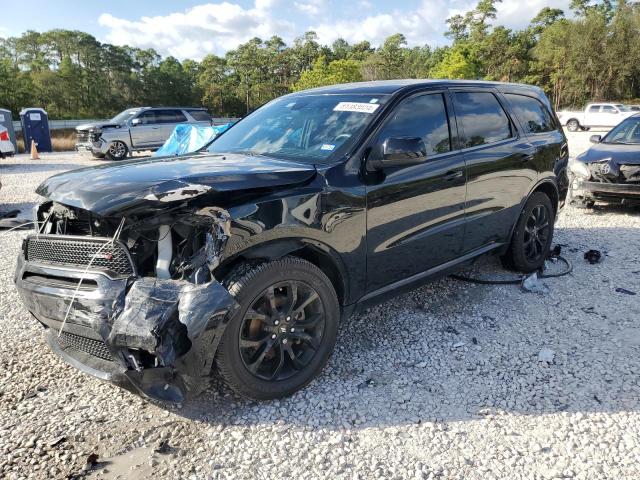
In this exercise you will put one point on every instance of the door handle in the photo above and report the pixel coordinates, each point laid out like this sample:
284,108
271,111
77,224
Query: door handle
526,157
453,175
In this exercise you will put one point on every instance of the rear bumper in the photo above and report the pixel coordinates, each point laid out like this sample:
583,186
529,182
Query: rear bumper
6,147
118,329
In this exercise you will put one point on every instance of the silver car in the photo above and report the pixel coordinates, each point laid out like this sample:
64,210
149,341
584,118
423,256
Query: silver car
144,128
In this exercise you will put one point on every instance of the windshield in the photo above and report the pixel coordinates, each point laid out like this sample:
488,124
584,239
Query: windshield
312,128
124,116
627,132
623,108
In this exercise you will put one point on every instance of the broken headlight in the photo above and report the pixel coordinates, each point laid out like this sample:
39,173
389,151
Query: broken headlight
579,169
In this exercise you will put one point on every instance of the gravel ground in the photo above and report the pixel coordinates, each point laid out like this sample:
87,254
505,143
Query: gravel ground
444,382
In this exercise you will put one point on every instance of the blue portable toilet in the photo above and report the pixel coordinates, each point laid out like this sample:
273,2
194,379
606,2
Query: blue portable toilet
6,120
35,126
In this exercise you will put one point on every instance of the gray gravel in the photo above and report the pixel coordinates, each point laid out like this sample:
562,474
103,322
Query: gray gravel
451,381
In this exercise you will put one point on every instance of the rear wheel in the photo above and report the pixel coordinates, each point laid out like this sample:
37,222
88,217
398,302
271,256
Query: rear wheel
283,333
117,151
531,240
573,125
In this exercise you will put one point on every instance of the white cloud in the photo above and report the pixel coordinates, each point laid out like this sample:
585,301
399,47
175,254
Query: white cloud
219,27
517,14
203,29
311,7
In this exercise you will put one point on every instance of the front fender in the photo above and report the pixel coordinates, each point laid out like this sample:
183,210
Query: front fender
331,223
121,134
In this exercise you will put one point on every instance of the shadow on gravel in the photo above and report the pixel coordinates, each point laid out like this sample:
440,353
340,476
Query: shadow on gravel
454,351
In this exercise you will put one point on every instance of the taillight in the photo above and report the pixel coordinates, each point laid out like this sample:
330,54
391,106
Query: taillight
4,136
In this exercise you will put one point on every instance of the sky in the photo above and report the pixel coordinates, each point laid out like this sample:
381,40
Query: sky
193,29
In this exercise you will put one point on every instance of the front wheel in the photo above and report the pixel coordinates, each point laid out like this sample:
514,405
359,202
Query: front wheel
573,125
532,237
117,151
284,331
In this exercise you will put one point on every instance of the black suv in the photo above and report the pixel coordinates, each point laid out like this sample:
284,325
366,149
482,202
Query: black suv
243,258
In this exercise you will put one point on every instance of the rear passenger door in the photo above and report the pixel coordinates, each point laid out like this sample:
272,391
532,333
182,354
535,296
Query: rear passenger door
415,214
166,122
544,133
500,166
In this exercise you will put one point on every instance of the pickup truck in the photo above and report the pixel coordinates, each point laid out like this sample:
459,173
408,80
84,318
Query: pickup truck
595,115
136,129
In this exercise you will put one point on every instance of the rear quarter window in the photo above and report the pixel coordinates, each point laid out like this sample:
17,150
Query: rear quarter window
531,113
200,115
482,118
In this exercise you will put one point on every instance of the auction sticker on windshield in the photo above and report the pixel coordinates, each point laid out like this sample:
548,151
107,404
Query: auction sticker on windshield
356,107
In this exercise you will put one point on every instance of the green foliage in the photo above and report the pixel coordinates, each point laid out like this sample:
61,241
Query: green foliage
456,64
323,73
595,55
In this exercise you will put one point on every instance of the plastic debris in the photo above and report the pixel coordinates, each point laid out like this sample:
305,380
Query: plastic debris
625,291
546,355
533,284
459,344
593,256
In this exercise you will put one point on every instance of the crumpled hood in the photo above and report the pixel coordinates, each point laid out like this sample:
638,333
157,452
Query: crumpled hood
621,154
109,189
97,126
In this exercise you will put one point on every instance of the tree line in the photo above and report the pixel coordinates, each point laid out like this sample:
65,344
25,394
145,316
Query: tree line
590,53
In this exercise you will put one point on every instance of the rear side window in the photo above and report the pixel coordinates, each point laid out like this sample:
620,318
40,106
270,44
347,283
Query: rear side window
532,114
422,116
200,115
170,116
482,118
594,109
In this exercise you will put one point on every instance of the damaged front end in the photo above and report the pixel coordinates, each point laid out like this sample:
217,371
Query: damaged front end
130,299
605,180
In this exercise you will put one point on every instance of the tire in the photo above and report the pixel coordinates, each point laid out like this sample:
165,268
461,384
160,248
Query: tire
523,255
117,151
573,125
274,344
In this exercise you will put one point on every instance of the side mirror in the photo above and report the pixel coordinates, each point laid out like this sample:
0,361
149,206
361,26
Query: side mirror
135,122
401,152
595,138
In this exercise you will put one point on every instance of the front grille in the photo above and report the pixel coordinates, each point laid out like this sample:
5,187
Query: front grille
83,136
95,348
101,254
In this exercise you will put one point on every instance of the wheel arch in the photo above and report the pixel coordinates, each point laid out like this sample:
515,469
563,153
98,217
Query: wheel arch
546,186
315,252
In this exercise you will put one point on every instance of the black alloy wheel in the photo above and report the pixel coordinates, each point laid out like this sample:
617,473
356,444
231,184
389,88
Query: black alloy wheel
282,330
536,234
282,335
532,237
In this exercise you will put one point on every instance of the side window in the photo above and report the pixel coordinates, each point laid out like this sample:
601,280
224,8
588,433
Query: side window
148,118
200,115
422,116
170,116
482,118
594,109
609,109
533,115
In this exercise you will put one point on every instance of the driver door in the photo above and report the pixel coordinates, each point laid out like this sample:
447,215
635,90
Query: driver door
415,214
